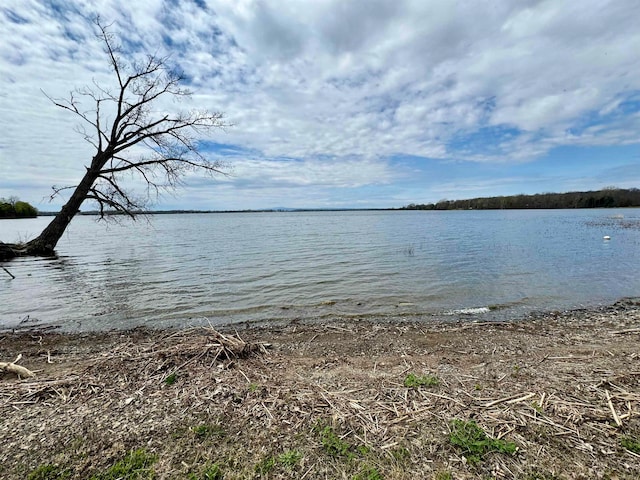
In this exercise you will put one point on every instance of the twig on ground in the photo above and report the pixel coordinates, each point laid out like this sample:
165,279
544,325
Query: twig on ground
629,330
613,410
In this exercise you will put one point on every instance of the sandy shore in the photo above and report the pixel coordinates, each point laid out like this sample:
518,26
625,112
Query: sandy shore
550,397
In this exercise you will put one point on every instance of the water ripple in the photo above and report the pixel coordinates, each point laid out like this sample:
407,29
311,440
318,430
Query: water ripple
228,268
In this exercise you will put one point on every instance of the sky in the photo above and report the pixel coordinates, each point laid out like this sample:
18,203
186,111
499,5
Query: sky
342,104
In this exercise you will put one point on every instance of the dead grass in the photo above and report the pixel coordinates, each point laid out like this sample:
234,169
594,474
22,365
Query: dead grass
330,401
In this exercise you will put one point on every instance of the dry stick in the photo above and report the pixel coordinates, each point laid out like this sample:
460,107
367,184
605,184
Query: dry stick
521,399
442,396
631,453
622,332
307,472
567,431
506,399
8,272
613,411
42,385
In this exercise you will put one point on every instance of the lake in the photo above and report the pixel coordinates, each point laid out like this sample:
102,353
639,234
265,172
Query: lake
228,268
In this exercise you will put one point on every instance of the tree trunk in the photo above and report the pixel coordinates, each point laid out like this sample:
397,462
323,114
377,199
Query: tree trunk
7,251
46,242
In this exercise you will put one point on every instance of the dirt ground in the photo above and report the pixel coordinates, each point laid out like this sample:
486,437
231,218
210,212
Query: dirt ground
553,396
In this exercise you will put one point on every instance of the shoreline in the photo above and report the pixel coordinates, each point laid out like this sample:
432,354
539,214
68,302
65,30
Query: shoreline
350,399
490,314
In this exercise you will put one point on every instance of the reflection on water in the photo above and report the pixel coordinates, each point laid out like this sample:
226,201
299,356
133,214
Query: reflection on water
229,268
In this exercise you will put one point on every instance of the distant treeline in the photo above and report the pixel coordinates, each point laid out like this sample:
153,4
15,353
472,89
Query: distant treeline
607,198
14,208
182,212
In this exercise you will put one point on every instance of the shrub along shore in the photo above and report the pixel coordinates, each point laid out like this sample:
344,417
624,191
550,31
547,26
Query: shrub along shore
553,396
14,208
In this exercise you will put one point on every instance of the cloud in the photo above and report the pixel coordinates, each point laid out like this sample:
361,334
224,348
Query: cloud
327,94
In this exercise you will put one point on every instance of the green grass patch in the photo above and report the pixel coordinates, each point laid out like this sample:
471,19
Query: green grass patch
443,475
49,472
631,444
537,407
266,465
475,443
210,472
400,455
334,445
137,465
205,431
289,459
415,381
541,475
368,473
171,379
356,456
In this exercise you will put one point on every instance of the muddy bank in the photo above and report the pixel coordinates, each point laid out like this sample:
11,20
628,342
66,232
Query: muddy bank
552,396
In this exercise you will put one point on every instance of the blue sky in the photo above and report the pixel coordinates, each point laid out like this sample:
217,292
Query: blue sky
338,103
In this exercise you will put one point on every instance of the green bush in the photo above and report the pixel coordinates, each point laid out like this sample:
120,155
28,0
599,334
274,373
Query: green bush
14,208
6,210
25,210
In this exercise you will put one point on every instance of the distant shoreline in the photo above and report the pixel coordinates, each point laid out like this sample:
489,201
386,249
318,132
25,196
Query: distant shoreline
606,198
266,210
306,210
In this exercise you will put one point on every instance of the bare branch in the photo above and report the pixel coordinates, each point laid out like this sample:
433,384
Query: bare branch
133,134
57,190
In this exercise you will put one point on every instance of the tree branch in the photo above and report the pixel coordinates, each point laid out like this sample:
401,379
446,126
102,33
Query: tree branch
132,133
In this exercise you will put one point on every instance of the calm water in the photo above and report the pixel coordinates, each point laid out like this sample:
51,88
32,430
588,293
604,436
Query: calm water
229,268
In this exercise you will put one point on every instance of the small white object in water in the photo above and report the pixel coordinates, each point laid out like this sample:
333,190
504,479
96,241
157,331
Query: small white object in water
606,237
469,311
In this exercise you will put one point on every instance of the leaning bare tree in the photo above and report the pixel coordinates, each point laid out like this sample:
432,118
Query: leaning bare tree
131,135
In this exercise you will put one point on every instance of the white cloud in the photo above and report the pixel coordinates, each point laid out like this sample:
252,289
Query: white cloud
355,82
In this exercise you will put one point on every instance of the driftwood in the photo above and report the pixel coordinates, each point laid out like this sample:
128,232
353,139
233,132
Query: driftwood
20,371
187,346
